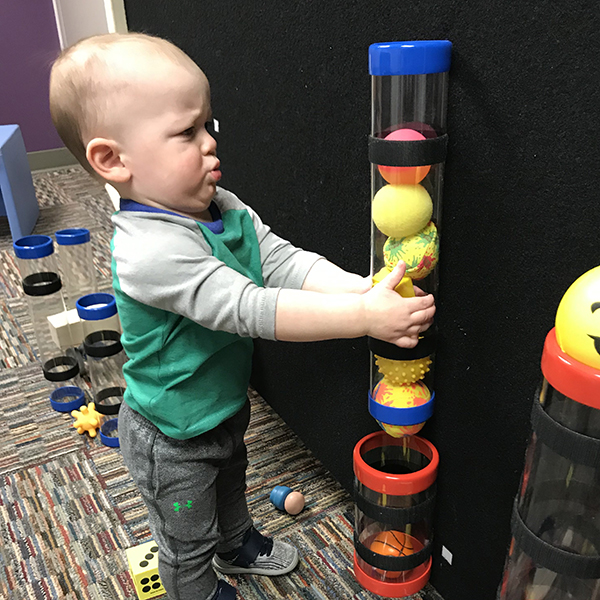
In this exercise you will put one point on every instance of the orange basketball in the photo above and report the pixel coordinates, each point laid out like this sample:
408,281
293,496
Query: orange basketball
392,543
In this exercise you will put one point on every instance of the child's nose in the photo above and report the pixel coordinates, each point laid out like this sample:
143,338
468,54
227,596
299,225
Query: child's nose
209,144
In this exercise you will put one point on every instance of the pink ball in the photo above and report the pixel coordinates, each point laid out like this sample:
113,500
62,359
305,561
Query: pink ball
399,175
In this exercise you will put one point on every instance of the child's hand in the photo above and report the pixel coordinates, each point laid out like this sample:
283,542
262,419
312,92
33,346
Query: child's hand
395,319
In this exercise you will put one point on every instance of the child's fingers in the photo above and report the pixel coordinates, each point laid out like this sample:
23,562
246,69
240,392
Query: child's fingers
394,278
407,341
422,317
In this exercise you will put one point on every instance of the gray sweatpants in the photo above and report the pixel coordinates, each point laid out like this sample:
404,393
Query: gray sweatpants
195,493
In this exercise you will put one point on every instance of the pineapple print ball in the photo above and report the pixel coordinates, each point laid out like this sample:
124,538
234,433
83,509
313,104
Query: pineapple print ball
420,252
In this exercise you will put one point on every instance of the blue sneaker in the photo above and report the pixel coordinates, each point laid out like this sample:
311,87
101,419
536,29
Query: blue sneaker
259,555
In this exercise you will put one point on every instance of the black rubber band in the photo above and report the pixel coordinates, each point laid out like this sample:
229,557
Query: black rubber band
41,284
61,361
425,347
396,516
108,409
397,153
392,563
97,350
550,557
574,446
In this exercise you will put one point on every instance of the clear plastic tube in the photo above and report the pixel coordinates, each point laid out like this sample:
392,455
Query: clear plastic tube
407,153
77,265
555,551
394,493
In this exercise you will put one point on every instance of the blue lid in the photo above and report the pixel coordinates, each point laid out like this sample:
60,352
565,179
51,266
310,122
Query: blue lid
95,307
106,433
410,58
67,398
72,237
33,246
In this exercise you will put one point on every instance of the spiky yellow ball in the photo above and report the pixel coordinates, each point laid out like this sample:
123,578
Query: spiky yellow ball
401,372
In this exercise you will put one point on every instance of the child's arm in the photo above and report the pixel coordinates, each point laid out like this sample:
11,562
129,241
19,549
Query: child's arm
327,278
304,316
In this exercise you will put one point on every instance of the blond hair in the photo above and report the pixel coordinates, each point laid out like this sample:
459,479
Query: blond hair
85,75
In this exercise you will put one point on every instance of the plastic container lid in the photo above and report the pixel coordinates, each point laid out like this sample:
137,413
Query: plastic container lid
33,246
96,307
410,58
72,237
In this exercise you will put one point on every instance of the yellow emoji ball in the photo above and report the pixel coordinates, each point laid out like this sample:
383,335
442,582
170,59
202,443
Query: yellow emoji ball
578,320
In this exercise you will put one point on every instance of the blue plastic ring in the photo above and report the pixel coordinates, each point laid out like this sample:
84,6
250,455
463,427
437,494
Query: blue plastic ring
72,237
105,429
57,398
410,58
33,246
96,307
390,415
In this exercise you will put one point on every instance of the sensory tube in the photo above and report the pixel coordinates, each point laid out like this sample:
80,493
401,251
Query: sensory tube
42,286
104,353
407,151
76,262
555,548
394,493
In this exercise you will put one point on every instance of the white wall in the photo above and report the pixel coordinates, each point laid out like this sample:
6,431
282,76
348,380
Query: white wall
76,19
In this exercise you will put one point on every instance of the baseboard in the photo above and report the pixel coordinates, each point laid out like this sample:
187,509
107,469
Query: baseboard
50,159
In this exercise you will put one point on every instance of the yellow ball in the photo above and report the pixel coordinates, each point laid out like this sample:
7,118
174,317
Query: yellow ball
419,251
578,320
404,288
401,372
401,210
401,396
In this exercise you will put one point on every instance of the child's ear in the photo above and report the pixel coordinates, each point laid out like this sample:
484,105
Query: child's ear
104,157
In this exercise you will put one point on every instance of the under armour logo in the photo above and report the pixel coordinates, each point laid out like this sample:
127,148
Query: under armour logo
177,506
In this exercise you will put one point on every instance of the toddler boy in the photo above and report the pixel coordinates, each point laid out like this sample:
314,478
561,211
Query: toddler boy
196,276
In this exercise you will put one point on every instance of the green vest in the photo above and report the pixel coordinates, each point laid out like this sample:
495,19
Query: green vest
184,378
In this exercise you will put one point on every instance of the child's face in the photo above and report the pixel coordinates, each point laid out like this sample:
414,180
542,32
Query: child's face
165,145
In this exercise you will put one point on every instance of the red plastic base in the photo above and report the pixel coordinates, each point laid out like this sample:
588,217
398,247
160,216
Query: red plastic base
392,590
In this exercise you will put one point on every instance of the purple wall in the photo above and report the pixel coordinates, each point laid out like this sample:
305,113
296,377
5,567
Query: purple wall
28,45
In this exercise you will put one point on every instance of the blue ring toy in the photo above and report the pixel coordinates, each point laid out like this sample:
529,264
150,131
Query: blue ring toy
401,416
105,429
72,237
57,398
33,246
96,307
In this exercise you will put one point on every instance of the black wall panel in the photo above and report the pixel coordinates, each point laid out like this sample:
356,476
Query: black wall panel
291,90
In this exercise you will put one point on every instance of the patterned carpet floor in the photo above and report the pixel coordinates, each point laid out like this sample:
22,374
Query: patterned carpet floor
68,507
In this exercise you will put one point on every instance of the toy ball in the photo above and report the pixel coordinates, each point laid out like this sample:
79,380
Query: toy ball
402,372
392,543
404,288
420,252
578,320
285,499
410,175
401,210
401,396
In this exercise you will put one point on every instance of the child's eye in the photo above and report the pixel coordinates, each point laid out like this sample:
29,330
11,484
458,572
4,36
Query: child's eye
189,132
